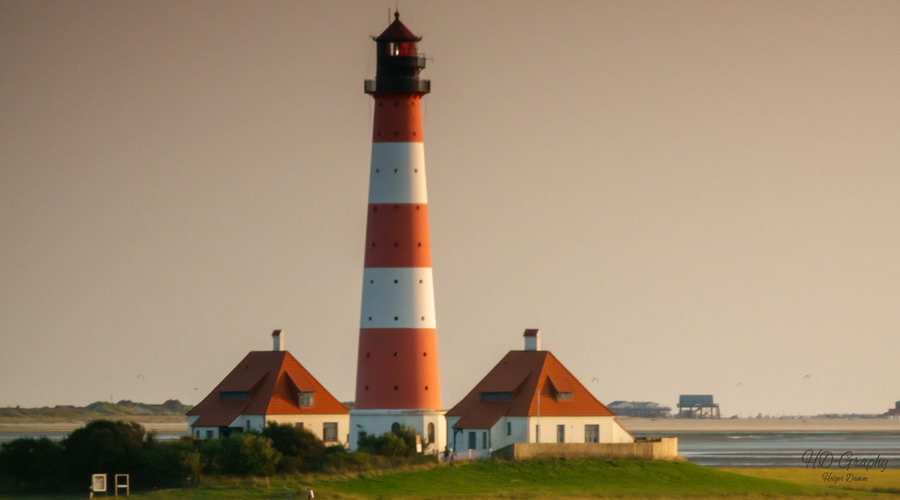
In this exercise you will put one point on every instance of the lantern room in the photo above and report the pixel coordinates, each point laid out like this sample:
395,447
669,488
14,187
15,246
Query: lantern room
399,62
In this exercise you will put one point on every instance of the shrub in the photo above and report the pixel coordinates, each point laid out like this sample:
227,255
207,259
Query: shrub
400,442
167,465
337,459
240,454
300,448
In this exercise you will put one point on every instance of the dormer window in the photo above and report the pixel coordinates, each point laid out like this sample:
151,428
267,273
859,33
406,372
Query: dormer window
563,395
234,395
305,398
496,396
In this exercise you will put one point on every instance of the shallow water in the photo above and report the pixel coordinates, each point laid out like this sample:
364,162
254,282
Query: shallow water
785,449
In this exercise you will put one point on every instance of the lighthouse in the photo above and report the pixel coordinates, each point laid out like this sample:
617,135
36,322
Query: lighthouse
397,379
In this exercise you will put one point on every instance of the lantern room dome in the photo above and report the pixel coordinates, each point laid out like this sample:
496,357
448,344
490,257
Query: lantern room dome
397,32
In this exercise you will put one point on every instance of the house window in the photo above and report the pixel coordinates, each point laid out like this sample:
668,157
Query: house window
484,440
229,395
431,432
197,434
537,433
329,431
209,434
496,396
592,433
563,395
509,428
298,425
248,424
305,398
472,440
560,433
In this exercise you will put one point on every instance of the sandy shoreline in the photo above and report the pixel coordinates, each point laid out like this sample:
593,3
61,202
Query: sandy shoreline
158,424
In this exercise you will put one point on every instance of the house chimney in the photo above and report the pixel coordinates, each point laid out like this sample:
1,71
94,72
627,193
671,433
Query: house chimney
532,339
277,341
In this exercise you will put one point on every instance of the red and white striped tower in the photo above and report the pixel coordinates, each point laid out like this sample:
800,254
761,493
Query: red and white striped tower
397,379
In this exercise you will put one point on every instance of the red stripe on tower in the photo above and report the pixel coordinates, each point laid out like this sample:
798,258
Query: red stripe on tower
397,378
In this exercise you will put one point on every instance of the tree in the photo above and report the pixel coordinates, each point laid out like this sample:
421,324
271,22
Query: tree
33,464
103,446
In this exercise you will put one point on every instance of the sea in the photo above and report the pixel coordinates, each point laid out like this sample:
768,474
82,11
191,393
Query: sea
738,449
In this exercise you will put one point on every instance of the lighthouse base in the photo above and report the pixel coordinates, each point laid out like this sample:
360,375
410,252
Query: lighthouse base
430,425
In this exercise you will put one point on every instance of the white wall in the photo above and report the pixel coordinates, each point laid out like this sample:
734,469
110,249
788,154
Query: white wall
315,424
202,432
378,422
610,430
523,431
257,422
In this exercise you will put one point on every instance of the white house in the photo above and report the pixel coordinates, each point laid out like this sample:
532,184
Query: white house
270,386
530,397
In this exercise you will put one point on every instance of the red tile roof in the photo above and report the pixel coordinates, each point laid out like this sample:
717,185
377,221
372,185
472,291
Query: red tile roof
531,377
273,379
397,32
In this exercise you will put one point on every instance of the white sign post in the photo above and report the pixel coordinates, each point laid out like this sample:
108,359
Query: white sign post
123,482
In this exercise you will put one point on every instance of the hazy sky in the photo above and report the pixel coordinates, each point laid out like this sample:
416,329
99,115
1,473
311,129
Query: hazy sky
686,197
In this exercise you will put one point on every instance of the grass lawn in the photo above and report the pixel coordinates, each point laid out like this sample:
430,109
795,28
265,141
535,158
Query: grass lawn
887,481
572,479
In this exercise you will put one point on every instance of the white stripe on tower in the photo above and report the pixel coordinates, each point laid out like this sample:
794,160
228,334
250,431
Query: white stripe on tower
398,173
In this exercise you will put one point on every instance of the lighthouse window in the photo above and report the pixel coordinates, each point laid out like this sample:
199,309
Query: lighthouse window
305,398
396,354
396,387
396,281
396,318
